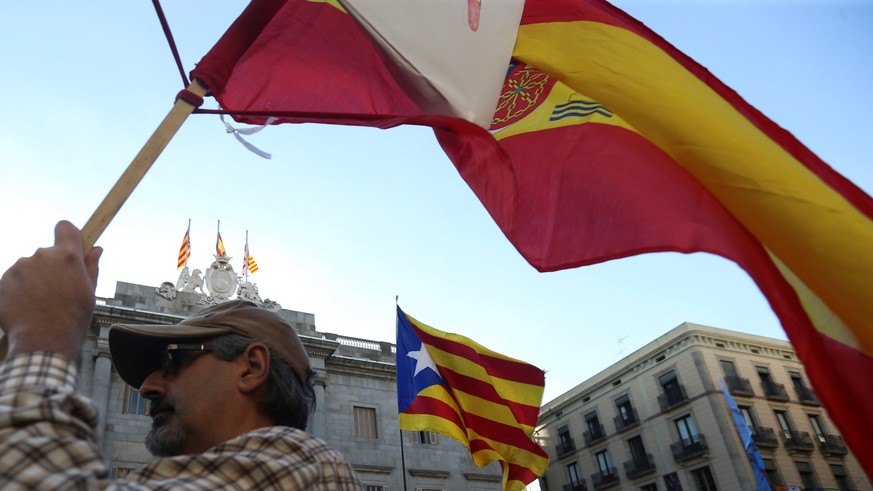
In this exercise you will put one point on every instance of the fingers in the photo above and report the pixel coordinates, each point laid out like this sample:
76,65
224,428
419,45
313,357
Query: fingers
67,235
91,263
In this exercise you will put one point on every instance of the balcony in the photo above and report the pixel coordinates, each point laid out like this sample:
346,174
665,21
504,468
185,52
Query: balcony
806,395
594,434
689,448
625,423
797,441
739,386
832,446
575,486
673,398
603,481
565,447
764,437
774,391
636,468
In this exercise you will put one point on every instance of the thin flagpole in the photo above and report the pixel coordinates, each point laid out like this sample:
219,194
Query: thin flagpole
246,259
402,452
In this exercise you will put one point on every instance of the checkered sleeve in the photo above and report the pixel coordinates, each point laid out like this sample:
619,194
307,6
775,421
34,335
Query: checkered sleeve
47,430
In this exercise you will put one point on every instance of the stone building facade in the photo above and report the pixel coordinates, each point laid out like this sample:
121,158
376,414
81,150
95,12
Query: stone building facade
356,397
659,420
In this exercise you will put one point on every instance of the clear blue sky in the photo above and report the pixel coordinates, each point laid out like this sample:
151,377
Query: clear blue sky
343,219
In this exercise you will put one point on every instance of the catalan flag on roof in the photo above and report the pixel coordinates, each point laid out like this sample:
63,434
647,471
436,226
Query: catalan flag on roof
449,384
601,141
185,250
249,264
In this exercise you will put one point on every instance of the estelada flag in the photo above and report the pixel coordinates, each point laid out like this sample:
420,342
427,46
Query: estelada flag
606,142
449,384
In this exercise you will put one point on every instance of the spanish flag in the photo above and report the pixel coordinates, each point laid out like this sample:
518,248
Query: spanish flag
220,251
601,141
449,384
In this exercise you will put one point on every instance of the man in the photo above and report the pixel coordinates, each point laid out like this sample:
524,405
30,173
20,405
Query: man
230,390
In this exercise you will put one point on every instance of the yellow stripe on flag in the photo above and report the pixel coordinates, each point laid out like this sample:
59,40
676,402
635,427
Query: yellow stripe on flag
820,236
511,390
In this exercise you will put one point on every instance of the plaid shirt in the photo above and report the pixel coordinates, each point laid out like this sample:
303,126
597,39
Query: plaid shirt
48,441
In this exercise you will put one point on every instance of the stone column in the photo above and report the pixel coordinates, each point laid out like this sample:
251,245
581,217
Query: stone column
102,379
318,421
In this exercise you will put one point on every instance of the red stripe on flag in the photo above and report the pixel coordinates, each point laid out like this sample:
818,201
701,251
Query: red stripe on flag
524,413
521,473
484,427
497,367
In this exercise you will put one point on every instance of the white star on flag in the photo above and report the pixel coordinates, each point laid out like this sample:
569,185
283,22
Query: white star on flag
423,361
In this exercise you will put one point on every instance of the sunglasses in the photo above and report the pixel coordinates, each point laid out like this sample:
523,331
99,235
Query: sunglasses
178,353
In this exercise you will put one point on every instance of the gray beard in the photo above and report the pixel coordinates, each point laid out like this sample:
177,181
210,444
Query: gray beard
165,439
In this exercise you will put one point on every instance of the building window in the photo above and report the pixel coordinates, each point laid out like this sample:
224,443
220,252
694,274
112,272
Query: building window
365,422
844,483
807,476
134,402
687,430
595,429
120,472
784,424
817,428
673,393
703,479
565,441
604,463
375,487
772,473
638,451
649,487
746,412
426,437
626,414
575,475
730,370
671,481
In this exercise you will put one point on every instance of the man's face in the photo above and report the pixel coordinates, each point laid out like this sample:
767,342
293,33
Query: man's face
187,399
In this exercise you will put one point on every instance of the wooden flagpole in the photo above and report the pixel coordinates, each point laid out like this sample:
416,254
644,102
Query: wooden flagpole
131,177
137,169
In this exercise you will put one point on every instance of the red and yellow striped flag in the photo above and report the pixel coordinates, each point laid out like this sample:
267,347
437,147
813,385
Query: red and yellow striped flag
249,264
185,250
449,384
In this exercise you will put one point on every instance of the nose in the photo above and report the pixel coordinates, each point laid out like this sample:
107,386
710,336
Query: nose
154,386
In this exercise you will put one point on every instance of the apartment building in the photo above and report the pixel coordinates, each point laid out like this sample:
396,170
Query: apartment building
659,420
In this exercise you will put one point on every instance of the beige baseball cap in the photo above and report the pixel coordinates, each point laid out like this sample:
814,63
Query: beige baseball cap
139,350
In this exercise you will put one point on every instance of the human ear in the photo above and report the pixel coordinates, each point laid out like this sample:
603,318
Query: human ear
256,368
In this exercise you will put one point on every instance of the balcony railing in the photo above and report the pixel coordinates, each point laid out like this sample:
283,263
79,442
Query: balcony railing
628,421
575,486
594,434
674,398
764,437
565,447
739,386
602,481
636,468
797,441
774,391
832,446
806,395
689,448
